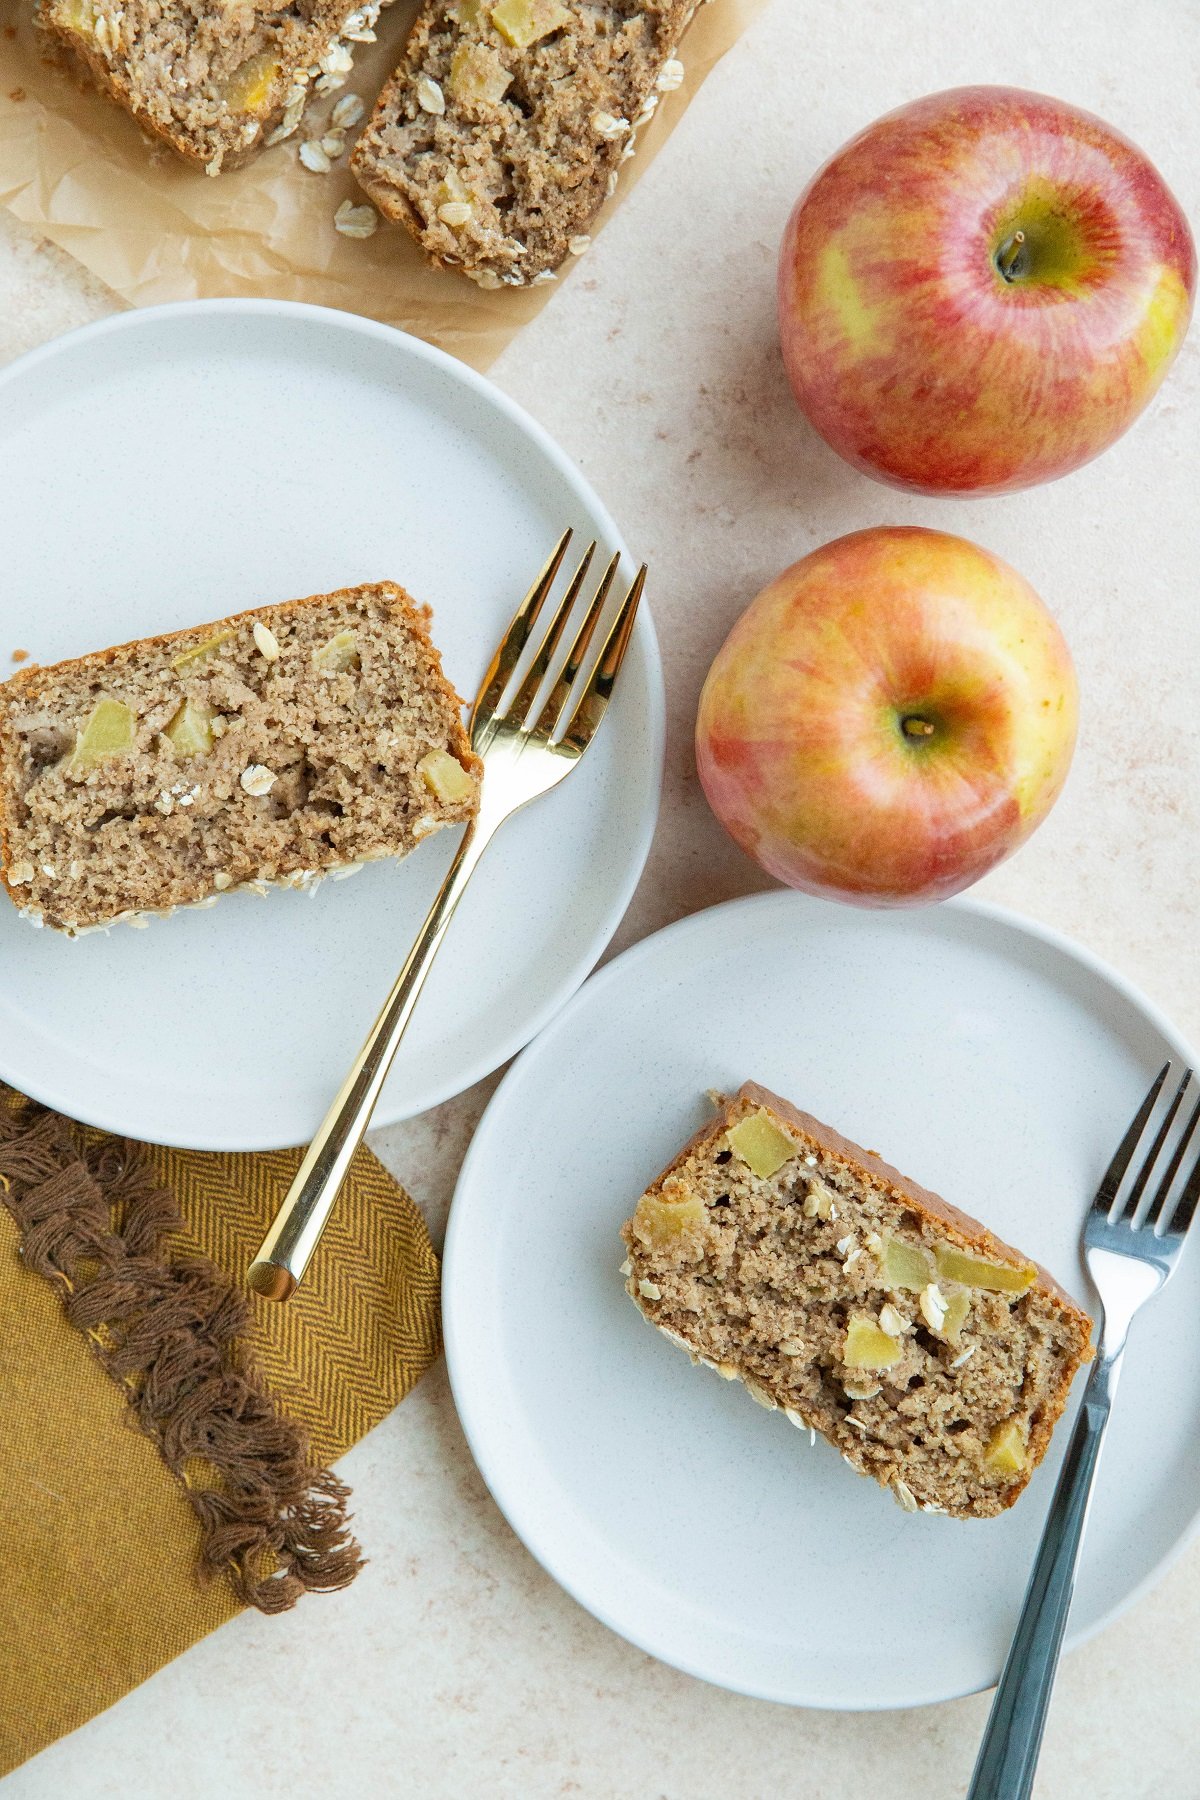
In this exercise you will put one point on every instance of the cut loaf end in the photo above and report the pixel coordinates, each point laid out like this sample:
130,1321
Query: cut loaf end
501,133
274,747
934,1356
217,80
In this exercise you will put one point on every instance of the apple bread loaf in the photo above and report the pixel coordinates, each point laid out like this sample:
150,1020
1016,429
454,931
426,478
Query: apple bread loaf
215,80
273,747
500,134
932,1355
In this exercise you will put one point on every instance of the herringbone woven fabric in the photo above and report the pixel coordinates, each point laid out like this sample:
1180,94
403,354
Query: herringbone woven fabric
363,1325
98,1543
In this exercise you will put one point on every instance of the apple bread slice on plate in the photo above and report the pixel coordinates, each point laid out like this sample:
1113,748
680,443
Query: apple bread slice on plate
934,1356
276,747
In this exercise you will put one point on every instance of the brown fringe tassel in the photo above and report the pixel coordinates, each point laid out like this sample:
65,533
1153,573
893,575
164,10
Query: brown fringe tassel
172,1332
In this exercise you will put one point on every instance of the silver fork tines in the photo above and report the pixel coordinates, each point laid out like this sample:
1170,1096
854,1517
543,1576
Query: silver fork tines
1130,1254
1170,1204
1176,1222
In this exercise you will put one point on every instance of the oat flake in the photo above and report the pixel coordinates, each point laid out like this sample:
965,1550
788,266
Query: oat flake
348,111
355,221
267,642
430,97
258,779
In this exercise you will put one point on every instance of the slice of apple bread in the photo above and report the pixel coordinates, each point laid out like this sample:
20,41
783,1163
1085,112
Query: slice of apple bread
500,134
277,746
932,1355
215,79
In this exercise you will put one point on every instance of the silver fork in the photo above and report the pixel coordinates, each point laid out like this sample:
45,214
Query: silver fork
1129,1258
525,753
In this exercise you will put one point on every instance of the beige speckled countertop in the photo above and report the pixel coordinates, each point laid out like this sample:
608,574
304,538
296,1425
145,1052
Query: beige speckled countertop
455,1667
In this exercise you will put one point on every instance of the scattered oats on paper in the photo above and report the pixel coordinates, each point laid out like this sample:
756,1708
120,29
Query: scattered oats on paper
355,221
313,156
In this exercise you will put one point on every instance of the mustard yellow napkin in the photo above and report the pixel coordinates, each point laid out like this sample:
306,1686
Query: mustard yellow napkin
112,1564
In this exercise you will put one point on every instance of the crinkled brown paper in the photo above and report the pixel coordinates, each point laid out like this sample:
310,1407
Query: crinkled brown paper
77,169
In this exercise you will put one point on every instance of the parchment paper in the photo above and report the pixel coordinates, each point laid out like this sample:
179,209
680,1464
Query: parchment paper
77,169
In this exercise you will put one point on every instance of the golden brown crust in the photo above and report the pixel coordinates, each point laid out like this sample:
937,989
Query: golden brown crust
5,855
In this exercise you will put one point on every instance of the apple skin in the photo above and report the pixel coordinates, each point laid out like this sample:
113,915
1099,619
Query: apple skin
801,740
907,348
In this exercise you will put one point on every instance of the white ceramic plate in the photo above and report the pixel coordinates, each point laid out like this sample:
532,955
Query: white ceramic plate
173,465
989,1059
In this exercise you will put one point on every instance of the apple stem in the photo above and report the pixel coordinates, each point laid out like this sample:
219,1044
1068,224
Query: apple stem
915,727
1009,257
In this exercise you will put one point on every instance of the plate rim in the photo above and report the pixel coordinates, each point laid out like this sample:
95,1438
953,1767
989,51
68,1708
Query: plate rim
454,1333
398,343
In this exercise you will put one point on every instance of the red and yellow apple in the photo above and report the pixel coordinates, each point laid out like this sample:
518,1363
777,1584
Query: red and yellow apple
981,291
889,719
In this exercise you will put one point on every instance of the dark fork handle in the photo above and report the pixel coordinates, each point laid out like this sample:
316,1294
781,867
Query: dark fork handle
1008,1755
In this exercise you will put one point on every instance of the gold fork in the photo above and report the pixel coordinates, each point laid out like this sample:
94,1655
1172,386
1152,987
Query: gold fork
524,754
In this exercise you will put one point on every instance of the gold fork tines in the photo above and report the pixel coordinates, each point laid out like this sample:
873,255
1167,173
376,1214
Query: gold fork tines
526,750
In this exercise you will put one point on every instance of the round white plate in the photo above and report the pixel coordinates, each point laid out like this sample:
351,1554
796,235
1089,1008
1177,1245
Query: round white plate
986,1057
170,466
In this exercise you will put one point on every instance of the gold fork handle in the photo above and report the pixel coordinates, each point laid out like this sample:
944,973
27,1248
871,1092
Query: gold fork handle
287,1249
